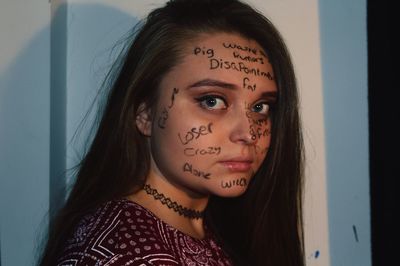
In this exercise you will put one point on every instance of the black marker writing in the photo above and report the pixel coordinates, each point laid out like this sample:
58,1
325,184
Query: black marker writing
257,133
238,47
238,66
242,182
248,86
175,91
248,58
162,120
257,126
203,51
188,168
206,151
250,115
195,133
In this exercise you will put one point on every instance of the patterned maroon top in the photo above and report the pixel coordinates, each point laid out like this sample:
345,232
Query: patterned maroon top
122,232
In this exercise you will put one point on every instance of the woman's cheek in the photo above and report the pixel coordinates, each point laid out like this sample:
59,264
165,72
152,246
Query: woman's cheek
262,146
165,109
195,147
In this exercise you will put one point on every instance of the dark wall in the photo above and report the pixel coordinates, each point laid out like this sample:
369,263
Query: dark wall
384,106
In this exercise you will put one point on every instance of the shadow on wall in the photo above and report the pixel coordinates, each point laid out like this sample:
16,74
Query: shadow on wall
24,147
45,94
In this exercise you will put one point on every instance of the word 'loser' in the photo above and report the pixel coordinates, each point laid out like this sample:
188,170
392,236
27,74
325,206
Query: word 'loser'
195,133
242,182
188,168
206,151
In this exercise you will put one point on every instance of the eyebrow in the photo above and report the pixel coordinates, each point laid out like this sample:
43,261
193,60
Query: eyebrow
212,83
217,83
272,95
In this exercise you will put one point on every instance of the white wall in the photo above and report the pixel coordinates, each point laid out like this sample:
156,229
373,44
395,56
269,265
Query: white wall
344,69
37,131
24,126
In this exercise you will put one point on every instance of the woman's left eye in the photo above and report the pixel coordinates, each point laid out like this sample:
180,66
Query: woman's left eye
212,102
261,108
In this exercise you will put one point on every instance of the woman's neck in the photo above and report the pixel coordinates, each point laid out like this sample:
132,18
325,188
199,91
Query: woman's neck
151,199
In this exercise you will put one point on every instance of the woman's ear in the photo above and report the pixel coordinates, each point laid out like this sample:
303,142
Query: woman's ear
143,120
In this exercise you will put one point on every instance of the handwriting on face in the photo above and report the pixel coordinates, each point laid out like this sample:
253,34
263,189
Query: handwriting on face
194,133
187,167
202,151
162,120
213,120
242,182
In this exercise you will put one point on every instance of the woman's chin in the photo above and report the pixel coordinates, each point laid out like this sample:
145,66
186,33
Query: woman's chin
230,192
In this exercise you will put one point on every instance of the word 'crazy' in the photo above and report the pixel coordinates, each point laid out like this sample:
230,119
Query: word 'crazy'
204,151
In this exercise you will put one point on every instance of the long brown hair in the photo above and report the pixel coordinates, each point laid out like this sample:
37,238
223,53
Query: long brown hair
261,227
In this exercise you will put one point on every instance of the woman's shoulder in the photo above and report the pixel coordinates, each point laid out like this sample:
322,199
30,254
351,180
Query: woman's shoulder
119,232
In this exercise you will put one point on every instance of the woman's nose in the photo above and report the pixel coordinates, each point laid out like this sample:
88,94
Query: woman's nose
242,128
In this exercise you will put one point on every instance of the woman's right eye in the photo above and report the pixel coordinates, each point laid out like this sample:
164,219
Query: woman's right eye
212,102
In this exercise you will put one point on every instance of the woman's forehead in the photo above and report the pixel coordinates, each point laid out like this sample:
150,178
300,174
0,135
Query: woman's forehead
225,55
224,40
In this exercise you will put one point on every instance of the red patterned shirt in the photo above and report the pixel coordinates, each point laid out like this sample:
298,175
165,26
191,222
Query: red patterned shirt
122,232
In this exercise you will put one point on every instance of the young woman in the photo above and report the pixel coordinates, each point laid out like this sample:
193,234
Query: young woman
197,159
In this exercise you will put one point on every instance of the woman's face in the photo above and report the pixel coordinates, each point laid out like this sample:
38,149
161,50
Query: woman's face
211,128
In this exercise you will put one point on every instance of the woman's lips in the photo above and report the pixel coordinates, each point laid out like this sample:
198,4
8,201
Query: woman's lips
237,166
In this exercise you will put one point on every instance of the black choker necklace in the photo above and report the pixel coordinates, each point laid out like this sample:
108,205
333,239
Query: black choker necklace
188,213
